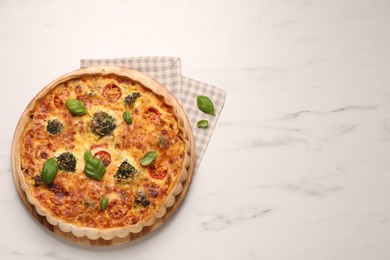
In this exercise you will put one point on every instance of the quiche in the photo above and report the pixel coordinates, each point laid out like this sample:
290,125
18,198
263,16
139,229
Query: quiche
101,154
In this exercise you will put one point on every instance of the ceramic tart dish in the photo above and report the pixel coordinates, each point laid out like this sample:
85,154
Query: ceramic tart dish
103,154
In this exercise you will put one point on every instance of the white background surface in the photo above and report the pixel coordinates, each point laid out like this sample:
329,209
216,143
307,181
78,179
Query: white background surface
298,167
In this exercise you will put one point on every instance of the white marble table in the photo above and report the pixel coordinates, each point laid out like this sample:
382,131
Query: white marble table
299,164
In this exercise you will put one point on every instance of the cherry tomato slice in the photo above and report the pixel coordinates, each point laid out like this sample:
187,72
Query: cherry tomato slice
112,92
104,156
86,99
58,102
153,110
153,114
157,173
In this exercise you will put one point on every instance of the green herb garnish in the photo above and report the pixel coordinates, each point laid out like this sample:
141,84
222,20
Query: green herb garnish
202,124
49,170
205,105
148,158
94,167
103,204
127,117
76,107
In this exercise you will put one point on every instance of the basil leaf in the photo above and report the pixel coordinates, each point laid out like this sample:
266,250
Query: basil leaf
205,105
127,117
103,204
148,158
94,168
202,124
49,170
88,156
76,107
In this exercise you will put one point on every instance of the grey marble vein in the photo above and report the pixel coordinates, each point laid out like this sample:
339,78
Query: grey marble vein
344,129
254,124
339,131
306,187
298,114
275,142
386,128
44,255
314,189
223,221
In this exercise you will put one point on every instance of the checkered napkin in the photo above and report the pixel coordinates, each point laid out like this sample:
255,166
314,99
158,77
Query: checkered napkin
167,71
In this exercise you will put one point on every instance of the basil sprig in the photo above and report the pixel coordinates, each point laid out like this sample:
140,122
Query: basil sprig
148,158
202,124
49,170
103,204
76,107
205,105
127,117
94,168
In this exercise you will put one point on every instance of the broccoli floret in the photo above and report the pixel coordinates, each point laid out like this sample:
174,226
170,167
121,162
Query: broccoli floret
163,141
54,126
102,123
67,162
126,171
130,99
38,180
141,200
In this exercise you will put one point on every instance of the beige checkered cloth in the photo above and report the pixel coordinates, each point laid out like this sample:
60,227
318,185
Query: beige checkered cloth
167,71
